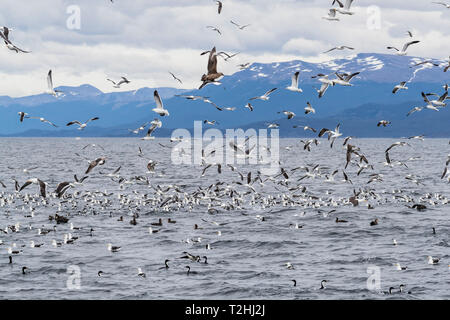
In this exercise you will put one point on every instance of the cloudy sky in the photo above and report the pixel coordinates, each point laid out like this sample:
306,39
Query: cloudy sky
144,39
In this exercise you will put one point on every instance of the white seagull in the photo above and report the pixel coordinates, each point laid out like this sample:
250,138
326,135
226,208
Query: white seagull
405,47
81,125
159,105
50,89
294,84
265,96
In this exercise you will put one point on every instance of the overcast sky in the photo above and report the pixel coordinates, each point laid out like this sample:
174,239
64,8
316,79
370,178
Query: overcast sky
144,39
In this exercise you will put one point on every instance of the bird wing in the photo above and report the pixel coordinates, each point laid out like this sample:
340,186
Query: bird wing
158,100
405,47
269,92
73,122
295,79
212,62
50,80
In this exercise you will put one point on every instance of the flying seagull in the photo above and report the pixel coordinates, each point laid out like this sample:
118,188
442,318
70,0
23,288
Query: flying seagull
41,184
175,78
50,89
219,6
444,4
265,96
331,15
401,86
4,33
154,124
344,9
339,48
213,76
159,105
44,121
294,84
81,125
118,84
239,26
405,47
214,29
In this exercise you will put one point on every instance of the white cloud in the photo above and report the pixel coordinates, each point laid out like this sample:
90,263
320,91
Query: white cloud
147,38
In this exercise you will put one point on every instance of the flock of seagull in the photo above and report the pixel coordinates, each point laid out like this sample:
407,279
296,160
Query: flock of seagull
246,191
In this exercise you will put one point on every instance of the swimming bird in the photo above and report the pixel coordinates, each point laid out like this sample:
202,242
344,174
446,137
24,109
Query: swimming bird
113,248
405,47
432,260
399,267
159,105
82,125
294,83
322,284
140,273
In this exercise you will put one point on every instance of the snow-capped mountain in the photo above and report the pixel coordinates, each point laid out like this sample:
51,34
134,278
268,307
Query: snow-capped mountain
379,73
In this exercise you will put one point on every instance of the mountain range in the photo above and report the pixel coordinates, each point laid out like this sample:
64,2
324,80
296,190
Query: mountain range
358,108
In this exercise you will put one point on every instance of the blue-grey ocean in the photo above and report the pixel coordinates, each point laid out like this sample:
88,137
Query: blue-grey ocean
249,229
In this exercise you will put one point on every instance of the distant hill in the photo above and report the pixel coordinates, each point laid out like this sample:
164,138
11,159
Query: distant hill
357,108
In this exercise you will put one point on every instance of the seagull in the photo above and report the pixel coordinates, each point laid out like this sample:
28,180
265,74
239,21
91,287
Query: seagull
444,4
118,84
159,105
331,15
239,26
405,47
5,35
113,248
175,78
289,114
81,125
309,109
432,260
265,96
339,48
401,86
213,76
294,84
154,124
333,135
249,106
94,163
22,115
415,109
41,184
424,62
440,102
344,9
50,89
399,267
219,6
344,79
214,29
383,123
44,121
